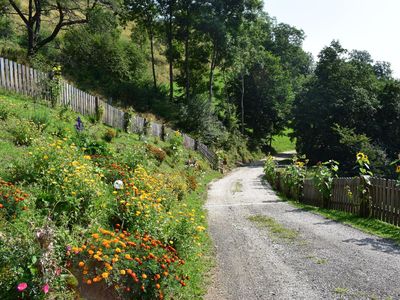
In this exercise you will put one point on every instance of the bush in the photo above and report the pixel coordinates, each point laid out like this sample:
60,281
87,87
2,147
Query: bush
158,153
23,131
91,146
270,169
67,182
41,118
30,263
11,200
324,173
110,134
4,112
136,266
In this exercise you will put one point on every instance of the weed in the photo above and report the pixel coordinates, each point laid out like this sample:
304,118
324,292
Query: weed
341,291
276,229
237,187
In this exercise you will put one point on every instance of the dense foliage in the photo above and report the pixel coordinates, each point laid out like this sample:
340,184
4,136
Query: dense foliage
349,104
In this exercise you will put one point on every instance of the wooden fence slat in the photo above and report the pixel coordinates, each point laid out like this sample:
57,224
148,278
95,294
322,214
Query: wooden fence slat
23,79
2,73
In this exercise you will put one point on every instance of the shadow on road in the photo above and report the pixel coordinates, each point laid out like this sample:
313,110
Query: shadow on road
380,245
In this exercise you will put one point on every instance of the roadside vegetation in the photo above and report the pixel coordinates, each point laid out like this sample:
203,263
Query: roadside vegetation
84,208
288,181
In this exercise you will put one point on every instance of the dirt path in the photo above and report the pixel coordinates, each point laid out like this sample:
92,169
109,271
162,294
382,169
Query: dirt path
320,259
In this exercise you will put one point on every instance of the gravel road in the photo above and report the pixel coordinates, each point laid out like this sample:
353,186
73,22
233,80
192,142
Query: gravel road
325,259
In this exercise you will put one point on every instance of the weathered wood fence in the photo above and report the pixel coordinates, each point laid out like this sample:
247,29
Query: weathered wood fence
30,82
384,196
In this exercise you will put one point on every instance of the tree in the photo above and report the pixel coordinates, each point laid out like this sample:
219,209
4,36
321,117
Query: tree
388,118
95,57
68,12
342,92
268,97
145,13
246,49
168,8
221,21
286,42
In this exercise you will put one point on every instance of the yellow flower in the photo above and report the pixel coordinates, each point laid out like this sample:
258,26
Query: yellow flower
122,272
104,275
360,156
87,157
45,157
200,228
398,169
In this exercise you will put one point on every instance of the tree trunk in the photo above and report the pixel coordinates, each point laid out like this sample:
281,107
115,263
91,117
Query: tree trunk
212,68
153,67
242,102
187,56
171,57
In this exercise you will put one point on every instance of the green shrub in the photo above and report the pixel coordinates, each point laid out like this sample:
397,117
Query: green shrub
109,135
324,173
4,112
90,145
68,186
293,178
30,259
41,118
23,131
270,169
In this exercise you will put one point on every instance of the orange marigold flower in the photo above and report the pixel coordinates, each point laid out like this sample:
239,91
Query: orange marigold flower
95,235
81,264
158,286
144,276
89,282
105,275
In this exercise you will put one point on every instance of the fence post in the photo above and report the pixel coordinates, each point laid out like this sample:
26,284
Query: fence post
365,195
145,126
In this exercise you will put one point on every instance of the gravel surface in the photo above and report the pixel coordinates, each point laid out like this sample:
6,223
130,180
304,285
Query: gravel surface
326,260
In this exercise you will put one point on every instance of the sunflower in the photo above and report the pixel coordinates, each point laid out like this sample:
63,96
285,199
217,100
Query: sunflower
360,156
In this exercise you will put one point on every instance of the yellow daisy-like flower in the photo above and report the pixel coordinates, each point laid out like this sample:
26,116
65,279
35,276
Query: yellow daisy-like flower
398,169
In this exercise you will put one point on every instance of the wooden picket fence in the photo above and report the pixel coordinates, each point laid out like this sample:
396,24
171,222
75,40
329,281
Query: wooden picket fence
30,82
311,194
384,193
385,204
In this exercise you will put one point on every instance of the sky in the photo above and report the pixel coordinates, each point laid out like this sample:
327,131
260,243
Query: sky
371,25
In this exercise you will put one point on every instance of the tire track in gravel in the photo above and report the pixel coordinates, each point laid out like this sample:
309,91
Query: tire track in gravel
326,260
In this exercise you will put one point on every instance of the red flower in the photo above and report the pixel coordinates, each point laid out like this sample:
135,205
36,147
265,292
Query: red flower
46,288
22,286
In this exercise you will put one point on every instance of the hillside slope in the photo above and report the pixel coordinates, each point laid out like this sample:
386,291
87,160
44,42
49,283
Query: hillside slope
85,208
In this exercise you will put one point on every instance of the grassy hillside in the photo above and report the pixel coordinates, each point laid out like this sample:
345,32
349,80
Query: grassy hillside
95,209
282,142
